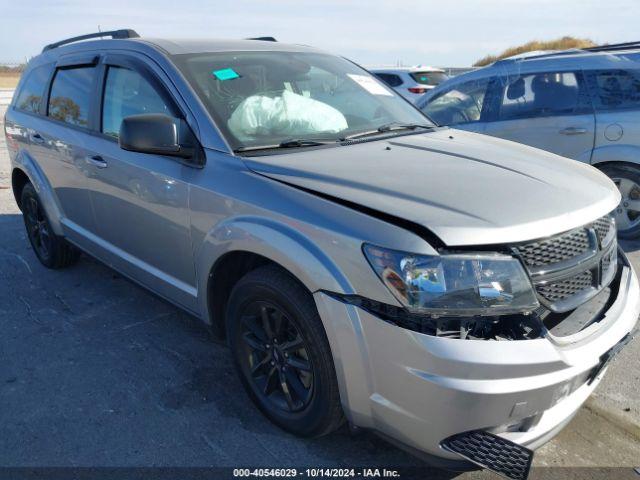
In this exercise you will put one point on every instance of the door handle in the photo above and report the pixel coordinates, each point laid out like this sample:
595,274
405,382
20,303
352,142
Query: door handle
36,138
96,161
573,131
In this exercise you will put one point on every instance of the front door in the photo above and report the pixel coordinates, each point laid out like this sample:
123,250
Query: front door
141,200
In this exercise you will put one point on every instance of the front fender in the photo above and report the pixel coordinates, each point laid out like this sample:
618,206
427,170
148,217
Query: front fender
29,166
276,241
618,153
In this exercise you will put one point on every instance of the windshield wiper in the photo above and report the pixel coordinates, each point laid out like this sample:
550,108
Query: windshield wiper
388,127
290,143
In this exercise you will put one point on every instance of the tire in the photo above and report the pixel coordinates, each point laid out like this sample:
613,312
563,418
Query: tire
52,250
627,213
291,345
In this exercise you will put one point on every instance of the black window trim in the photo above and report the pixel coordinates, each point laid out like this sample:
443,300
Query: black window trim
69,63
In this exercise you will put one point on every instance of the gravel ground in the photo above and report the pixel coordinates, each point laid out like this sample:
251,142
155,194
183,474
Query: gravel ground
96,371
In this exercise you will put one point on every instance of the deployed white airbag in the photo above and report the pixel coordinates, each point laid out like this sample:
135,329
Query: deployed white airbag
289,115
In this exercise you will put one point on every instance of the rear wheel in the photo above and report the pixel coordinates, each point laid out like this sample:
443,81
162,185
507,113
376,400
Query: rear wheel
282,354
627,213
52,250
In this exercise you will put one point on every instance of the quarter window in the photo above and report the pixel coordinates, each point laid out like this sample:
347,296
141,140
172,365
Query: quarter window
30,95
71,95
126,93
461,104
615,89
543,94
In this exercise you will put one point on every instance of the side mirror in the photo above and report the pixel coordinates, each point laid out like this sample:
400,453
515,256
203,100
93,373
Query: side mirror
158,134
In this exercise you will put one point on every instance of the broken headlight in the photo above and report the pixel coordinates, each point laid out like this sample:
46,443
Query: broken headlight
456,284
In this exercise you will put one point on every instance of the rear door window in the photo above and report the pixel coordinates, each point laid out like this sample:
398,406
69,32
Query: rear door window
390,79
462,103
615,89
71,93
543,94
30,96
127,92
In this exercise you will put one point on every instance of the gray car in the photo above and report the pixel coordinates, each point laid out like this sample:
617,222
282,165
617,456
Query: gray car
581,104
456,293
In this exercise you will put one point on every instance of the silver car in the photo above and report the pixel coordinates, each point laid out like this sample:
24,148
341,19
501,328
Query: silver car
581,104
456,293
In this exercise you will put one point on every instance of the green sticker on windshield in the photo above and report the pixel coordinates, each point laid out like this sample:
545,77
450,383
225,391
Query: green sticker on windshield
226,74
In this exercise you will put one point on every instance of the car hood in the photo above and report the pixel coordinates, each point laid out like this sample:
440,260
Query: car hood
467,189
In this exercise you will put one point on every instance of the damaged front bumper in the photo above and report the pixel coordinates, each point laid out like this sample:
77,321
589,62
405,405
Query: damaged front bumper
420,389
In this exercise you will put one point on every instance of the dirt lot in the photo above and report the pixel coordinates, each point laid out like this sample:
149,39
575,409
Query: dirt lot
96,371
9,80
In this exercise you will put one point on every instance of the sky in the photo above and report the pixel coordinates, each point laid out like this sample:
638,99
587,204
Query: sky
452,33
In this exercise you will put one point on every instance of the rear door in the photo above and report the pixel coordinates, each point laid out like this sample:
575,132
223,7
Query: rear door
549,110
616,98
58,137
140,200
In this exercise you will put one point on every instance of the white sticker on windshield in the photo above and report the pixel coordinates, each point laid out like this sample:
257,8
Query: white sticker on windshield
370,85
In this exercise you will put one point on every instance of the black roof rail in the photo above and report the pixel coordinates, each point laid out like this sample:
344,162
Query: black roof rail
613,47
126,33
264,39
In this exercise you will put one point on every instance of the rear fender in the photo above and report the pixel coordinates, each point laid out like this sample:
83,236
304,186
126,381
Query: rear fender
616,153
49,202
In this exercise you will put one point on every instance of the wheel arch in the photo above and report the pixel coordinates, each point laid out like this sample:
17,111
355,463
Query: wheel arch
622,154
621,163
242,244
18,180
27,170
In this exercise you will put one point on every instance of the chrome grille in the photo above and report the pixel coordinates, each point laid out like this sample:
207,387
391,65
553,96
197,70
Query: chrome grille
556,249
603,227
553,264
555,291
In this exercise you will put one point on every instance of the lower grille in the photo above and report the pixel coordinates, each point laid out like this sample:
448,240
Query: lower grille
491,452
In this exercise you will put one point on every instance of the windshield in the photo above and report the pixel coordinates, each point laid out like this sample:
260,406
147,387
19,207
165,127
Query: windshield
429,78
267,98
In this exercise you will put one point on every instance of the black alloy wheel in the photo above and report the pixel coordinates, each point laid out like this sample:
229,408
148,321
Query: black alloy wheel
52,250
37,228
281,352
275,357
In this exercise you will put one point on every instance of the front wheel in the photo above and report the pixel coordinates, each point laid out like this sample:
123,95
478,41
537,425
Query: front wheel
627,213
282,354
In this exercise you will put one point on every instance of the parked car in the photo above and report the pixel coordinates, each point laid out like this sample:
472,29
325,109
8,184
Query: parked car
581,104
411,82
445,289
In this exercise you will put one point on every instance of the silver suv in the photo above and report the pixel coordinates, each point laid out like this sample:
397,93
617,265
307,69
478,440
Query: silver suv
442,288
581,104
410,82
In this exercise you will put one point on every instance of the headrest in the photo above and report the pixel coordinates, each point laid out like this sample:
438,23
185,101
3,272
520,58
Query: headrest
516,89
